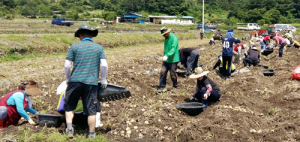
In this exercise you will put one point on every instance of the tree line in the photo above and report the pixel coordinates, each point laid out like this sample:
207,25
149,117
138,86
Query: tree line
261,11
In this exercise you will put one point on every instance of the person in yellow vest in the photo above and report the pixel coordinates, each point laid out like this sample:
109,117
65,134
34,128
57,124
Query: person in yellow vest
219,64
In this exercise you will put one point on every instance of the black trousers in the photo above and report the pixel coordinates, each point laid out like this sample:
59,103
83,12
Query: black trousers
172,67
192,61
201,35
266,42
227,60
250,62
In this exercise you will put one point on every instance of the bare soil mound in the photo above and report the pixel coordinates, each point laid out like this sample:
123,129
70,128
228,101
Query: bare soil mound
253,107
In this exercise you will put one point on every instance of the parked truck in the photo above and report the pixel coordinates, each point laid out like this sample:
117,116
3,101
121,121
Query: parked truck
250,26
205,26
61,22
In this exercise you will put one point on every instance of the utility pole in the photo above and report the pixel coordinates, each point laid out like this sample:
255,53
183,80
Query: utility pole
203,17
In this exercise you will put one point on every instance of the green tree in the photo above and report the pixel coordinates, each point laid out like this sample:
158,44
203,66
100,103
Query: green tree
145,16
261,22
75,16
108,16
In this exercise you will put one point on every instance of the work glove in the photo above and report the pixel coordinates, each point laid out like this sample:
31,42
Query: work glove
192,98
103,83
164,58
205,96
36,114
30,121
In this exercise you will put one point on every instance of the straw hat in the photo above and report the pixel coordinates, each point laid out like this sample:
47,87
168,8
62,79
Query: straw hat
165,30
31,89
199,73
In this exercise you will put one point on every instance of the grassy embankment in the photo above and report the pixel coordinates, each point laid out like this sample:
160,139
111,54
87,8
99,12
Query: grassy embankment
47,135
13,46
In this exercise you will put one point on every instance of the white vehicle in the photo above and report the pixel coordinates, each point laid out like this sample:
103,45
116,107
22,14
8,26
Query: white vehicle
281,27
250,26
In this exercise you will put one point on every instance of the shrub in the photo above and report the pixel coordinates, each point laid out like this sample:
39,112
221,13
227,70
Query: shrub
8,16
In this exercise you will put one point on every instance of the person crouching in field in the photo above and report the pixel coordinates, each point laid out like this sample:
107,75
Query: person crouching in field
170,59
212,41
253,58
189,59
16,104
220,63
207,91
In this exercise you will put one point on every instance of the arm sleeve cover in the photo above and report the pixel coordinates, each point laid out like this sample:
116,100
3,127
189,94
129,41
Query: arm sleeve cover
67,68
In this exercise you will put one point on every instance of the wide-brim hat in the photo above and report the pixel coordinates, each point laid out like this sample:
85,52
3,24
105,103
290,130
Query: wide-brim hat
86,28
32,90
165,30
198,73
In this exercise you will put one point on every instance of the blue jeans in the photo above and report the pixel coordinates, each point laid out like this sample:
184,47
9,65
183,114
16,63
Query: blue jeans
214,97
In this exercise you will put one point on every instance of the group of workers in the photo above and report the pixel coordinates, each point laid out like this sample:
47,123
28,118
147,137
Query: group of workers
87,58
207,91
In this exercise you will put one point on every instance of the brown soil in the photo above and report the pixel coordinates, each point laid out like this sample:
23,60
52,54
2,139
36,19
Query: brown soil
243,113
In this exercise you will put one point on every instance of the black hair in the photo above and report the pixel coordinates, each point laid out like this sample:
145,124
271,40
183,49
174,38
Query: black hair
86,33
23,83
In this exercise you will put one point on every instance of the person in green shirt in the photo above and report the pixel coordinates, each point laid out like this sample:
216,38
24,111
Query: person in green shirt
170,59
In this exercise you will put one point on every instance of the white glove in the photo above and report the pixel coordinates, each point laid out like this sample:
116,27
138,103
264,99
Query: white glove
164,58
67,81
205,96
103,83
192,98
30,121
36,114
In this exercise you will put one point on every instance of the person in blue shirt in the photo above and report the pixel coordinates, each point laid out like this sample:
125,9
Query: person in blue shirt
227,53
16,104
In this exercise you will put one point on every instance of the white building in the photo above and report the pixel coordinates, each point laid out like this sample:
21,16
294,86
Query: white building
184,20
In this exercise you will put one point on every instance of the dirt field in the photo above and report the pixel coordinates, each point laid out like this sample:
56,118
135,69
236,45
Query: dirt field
252,107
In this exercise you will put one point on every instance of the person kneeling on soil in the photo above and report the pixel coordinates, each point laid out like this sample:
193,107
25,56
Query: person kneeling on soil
16,104
220,63
189,59
212,41
253,57
207,91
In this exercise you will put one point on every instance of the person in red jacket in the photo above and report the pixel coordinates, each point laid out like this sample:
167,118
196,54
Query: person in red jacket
237,52
266,40
14,105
